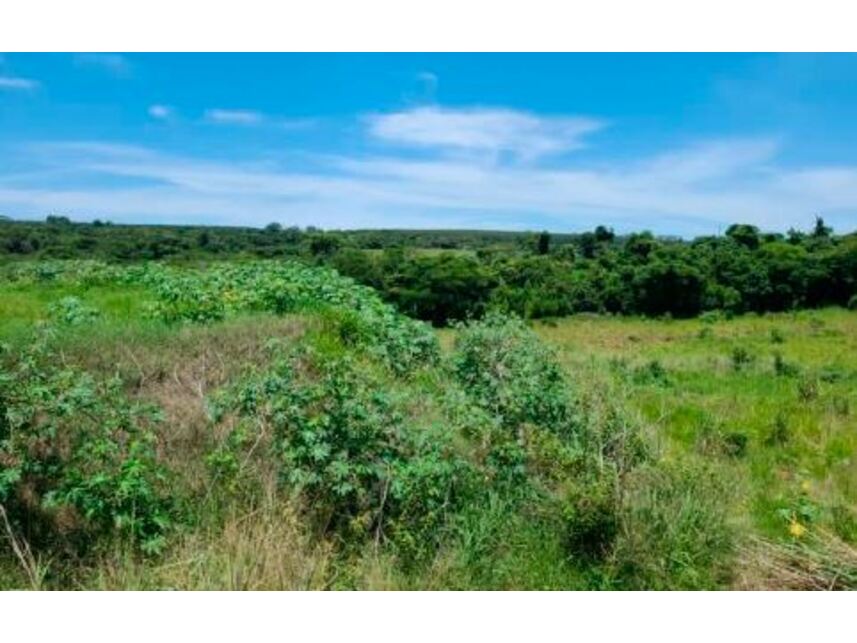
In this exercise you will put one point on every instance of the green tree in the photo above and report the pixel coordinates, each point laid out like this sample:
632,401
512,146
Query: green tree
544,243
745,235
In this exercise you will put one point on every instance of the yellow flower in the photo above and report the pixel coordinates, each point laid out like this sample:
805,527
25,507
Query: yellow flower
805,486
796,529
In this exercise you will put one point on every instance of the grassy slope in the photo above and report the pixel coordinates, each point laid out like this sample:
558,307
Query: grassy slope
800,428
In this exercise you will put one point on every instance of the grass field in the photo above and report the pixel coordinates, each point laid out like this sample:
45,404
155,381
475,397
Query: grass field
769,403
777,394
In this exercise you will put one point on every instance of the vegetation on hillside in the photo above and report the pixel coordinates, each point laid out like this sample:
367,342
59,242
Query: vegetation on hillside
269,424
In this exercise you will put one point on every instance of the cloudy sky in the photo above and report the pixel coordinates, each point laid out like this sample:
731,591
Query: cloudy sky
677,144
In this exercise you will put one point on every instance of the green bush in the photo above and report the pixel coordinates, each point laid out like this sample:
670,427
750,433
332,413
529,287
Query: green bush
71,311
186,299
78,459
342,441
807,388
287,287
852,303
510,373
591,516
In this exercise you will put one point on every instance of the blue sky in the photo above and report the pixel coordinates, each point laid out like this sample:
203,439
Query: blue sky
678,144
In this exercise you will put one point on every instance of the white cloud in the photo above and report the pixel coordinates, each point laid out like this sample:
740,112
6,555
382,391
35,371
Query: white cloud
114,63
481,130
476,168
17,83
727,181
160,112
712,159
234,116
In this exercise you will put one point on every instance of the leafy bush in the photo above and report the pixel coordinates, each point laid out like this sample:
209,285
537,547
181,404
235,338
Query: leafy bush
511,374
78,460
286,287
345,445
779,433
712,316
591,516
71,311
852,303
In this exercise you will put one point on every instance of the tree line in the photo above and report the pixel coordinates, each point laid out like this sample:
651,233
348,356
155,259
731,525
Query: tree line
447,275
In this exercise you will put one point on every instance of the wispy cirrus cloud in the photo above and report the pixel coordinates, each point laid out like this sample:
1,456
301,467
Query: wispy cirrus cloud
116,64
446,169
250,117
18,83
160,112
484,130
234,116
393,191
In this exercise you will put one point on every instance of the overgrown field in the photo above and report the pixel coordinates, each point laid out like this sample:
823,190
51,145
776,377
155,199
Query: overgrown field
269,425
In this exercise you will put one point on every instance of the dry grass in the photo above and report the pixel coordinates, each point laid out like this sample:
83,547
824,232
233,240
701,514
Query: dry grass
264,549
822,563
179,369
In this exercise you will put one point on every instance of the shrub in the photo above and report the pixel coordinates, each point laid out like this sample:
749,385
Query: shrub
831,374
71,311
284,287
852,303
591,518
508,372
187,299
735,444
78,459
713,440
712,316
346,447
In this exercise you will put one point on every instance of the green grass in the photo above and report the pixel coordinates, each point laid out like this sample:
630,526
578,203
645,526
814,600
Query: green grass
23,305
800,428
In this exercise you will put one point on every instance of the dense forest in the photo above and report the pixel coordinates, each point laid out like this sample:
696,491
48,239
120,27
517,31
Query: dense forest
446,275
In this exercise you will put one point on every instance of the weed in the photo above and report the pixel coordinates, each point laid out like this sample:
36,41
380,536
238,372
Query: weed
779,433
841,406
807,389
653,372
783,368
71,311
741,358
